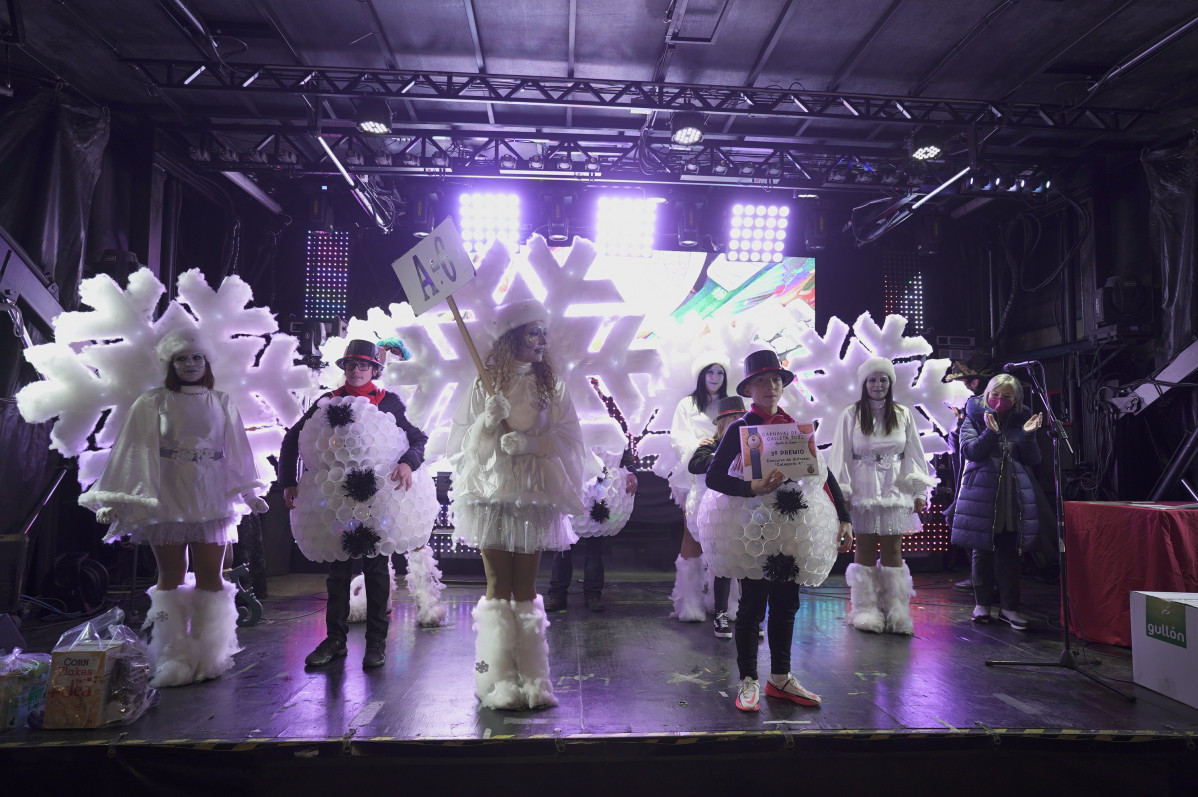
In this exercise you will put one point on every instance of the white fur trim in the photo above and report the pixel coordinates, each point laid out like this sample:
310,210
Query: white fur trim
875,365
424,585
173,650
496,680
532,653
517,314
864,613
182,339
895,593
688,590
214,630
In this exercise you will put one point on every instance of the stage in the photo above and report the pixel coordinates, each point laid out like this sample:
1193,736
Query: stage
646,706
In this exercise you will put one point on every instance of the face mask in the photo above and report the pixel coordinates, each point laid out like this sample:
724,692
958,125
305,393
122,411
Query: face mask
1000,404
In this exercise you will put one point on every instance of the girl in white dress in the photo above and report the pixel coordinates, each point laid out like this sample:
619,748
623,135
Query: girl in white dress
179,478
879,462
518,476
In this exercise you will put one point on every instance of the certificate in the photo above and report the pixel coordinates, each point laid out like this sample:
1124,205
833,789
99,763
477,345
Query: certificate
786,447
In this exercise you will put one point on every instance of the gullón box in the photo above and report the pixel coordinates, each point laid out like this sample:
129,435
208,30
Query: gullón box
1164,645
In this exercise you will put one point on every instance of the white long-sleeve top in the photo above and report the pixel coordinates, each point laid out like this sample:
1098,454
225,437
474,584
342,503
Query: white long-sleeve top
484,472
689,426
182,459
882,469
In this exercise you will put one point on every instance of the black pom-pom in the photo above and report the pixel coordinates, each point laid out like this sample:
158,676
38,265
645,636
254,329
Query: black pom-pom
600,512
360,541
789,502
780,567
339,415
360,484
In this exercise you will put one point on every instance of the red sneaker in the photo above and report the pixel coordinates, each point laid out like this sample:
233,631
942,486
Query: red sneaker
793,691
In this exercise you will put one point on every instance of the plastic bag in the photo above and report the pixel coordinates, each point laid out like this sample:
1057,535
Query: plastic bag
23,678
99,675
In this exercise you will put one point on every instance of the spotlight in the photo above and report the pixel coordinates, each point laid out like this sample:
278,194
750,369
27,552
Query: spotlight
487,216
564,165
757,233
410,159
686,128
507,161
592,164
557,228
420,214
720,167
374,116
926,145
625,224
688,224
889,176
536,162
746,170
439,159
838,174
691,166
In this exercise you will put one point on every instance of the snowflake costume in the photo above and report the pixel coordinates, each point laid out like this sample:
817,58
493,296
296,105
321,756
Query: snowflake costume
519,503
178,470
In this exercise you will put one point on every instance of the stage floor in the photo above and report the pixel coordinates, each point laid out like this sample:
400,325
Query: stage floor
633,675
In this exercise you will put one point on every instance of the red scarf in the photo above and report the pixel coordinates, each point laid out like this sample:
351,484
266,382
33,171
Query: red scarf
779,417
375,394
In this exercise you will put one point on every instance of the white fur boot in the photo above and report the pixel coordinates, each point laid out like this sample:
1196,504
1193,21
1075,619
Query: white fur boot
170,612
214,630
496,681
863,595
688,590
424,584
357,595
532,652
896,592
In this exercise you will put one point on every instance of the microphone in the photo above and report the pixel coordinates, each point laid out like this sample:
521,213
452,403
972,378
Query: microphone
1010,367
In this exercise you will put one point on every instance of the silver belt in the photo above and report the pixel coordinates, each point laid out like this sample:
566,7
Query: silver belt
192,454
879,457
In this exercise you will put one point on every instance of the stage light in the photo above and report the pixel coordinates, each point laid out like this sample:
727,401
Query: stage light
720,167
691,166
564,164
373,116
420,214
592,164
440,159
686,128
507,161
488,216
757,232
536,162
889,176
746,170
411,159
557,227
688,224
625,225
838,174
926,145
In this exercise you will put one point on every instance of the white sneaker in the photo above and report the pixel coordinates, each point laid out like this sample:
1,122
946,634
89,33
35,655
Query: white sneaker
749,696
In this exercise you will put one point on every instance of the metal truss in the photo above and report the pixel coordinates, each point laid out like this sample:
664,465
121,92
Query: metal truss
797,104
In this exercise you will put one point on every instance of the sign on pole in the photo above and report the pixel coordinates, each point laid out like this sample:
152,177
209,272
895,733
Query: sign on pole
434,268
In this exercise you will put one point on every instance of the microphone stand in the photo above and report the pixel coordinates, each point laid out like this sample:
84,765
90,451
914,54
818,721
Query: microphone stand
1067,659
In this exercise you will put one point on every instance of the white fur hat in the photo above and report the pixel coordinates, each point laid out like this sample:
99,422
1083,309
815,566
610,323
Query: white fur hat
517,314
875,365
182,339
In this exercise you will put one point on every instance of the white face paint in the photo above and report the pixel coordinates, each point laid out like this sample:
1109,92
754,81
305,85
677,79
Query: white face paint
877,385
533,341
714,378
189,365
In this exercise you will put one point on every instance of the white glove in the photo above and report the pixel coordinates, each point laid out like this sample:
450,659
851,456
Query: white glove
519,443
496,410
107,515
257,505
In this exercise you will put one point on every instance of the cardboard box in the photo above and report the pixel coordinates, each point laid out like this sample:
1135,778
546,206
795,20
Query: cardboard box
1164,643
78,694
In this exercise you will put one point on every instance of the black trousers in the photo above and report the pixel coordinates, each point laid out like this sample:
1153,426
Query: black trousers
378,595
782,597
592,569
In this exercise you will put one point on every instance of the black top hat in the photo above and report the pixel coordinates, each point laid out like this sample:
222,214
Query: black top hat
729,405
761,362
360,350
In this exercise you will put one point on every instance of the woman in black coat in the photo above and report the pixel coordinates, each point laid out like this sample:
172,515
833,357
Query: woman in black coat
996,513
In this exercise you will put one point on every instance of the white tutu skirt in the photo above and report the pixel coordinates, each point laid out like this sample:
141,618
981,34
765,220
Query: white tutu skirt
607,505
769,536
885,521
517,528
346,504
218,532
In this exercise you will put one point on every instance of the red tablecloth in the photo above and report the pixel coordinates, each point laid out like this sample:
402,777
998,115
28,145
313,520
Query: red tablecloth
1115,548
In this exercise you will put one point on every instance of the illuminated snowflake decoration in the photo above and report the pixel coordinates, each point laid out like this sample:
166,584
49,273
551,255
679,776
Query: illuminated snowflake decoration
102,359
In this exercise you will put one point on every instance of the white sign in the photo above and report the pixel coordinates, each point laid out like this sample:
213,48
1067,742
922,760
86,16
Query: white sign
434,268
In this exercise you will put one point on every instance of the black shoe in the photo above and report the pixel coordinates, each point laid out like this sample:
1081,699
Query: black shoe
723,628
964,586
325,652
595,604
555,603
1013,619
376,655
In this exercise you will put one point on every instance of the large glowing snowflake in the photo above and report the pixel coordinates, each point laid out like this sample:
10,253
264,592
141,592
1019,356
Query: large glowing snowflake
826,369
102,359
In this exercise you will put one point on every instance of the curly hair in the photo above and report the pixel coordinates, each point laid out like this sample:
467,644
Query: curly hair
501,366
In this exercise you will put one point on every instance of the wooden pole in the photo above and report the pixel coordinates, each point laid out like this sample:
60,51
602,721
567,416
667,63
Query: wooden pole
478,363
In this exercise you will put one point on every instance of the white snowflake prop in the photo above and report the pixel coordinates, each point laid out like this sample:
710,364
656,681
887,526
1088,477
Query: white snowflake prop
608,505
826,380
102,359
347,506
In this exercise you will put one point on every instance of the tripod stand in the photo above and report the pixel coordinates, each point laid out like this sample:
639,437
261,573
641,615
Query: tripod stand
1067,658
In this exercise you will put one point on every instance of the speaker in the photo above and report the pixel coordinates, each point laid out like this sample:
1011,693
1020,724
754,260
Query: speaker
1125,302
